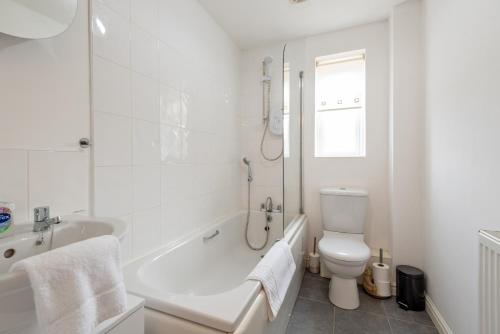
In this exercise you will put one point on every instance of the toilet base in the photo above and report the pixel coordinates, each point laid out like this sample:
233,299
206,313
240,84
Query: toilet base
344,292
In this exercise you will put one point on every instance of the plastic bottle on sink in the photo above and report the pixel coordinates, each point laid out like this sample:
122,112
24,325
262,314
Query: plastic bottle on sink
6,218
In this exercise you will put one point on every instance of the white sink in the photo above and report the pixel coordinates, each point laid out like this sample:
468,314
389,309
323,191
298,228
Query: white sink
17,312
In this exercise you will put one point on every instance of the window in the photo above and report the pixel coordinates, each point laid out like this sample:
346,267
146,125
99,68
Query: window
340,105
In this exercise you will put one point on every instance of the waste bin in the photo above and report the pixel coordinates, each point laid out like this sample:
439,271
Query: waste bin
410,288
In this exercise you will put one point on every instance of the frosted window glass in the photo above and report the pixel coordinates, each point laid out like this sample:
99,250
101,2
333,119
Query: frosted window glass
340,106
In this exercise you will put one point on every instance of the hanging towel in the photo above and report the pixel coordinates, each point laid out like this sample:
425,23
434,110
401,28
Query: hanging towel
275,272
76,287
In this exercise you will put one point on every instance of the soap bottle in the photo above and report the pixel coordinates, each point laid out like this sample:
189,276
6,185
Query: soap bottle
6,219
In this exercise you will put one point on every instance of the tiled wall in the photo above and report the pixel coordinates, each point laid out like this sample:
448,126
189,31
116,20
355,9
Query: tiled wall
44,111
166,122
267,175
37,178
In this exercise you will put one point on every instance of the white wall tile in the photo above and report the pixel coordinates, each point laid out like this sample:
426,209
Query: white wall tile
113,191
171,66
145,52
111,87
126,243
185,133
112,140
111,35
172,139
147,224
58,179
145,14
147,187
14,182
146,98
121,7
170,106
146,143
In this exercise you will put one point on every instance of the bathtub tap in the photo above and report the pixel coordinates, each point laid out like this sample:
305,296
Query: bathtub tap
269,206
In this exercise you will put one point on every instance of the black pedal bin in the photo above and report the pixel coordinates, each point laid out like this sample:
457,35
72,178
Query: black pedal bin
410,287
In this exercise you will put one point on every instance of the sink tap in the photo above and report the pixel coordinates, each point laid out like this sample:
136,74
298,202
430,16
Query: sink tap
42,219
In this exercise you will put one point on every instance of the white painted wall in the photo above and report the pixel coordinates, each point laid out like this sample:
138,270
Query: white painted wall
406,139
44,94
372,172
166,122
462,156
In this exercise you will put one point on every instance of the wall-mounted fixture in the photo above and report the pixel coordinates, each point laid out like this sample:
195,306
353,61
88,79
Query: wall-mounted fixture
36,19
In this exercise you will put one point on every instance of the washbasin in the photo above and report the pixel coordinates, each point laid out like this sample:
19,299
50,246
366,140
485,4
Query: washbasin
17,312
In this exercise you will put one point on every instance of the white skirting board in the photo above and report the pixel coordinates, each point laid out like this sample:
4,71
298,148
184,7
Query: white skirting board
436,317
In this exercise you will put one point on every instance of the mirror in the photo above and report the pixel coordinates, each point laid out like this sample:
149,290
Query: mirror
36,18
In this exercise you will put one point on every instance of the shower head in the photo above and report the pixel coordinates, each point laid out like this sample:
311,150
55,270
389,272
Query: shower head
268,60
266,70
249,176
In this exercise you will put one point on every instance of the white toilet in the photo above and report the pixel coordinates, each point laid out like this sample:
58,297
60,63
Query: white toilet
342,248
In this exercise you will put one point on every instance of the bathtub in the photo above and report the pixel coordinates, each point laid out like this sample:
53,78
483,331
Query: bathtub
199,286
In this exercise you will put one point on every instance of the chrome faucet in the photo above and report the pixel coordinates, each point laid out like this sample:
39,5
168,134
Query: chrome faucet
268,206
42,219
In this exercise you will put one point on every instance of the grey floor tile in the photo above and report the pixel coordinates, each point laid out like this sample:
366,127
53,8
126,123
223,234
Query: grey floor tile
359,322
311,317
404,327
369,304
315,288
423,318
392,310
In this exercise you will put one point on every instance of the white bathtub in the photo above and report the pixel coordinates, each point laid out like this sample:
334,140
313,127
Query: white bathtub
199,286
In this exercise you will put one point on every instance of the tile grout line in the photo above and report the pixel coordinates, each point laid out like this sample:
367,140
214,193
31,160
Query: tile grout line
389,323
334,309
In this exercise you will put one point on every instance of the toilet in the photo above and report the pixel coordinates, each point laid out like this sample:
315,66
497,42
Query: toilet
342,248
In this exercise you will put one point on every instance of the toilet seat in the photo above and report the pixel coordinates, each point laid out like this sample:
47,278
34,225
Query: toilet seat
343,248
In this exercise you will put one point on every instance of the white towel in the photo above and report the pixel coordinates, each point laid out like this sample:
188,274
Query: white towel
76,287
275,272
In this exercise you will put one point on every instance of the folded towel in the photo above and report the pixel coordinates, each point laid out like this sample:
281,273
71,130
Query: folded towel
76,287
275,272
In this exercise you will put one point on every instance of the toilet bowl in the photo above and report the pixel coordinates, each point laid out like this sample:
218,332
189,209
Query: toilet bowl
345,255
342,248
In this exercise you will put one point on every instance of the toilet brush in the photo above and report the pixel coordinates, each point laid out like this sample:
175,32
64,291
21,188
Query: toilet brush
314,260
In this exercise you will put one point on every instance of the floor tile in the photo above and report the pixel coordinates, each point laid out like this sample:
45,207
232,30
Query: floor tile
314,314
404,327
392,310
315,288
311,317
370,304
423,318
359,322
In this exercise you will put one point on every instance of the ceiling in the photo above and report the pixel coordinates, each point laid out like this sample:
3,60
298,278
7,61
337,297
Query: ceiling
257,22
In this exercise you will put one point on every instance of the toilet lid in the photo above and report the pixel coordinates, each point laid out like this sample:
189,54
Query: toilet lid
342,248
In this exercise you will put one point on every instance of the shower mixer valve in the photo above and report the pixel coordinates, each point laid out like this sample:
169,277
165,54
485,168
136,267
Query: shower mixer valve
268,207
